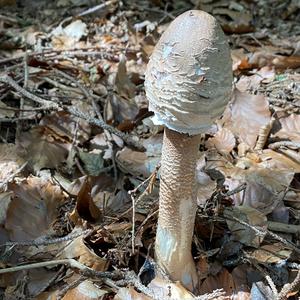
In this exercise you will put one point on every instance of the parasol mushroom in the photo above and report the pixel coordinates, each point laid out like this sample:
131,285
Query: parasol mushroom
188,83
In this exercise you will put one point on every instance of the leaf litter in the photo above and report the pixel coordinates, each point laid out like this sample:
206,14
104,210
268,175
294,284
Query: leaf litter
79,154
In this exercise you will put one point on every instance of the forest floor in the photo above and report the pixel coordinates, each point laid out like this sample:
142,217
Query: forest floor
79,153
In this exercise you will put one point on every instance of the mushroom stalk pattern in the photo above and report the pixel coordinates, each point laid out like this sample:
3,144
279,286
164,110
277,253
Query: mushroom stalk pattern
188,83
177,206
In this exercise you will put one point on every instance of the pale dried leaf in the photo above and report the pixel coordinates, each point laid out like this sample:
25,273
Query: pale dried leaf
223,141
42,151
10,161
264,75
246,115
265,187
5,199
272,253
290,128
130,294
274,160
86,290
33,209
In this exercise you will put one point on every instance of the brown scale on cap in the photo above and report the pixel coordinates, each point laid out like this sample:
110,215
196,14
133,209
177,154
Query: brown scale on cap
188,83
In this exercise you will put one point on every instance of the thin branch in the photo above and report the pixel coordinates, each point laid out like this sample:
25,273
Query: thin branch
127,138
87,271
8,80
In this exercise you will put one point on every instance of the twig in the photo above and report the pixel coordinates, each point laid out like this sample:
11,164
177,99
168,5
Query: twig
282,227
132,193
51,53
8,80
49,241
267,276
289,287
127,138
288,144
260,232
91,10
62,292
133,225
12,176
87,271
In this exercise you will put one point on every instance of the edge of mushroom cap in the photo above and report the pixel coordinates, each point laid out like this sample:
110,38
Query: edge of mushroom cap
188,80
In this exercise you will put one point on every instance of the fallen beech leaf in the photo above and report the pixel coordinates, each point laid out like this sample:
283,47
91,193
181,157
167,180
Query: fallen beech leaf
264,75
239,275
5,199
63,126
273,160
93,161
242,233
246,115
41,150
124,86
223,141
223,280
33,208
130,294
10,161
273,253
290,128
239,60
78,250
265,187
86,290
141,163
85,205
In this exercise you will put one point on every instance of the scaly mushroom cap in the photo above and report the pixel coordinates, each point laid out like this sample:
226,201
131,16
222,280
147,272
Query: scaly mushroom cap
188,81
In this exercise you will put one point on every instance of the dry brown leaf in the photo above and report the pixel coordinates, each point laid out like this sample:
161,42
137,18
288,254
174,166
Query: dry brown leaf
41,150
273,160
223,141
265,187
265,182
5,199
78,250
86,290
239,275
124,86
10,161
63,127
240,21
130,294
246,115
33,209
264,75
242,233
273,253
85,205
223,280
141,163
290,128
203,268
239,60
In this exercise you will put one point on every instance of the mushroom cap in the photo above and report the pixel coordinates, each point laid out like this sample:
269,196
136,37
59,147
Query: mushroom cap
188,80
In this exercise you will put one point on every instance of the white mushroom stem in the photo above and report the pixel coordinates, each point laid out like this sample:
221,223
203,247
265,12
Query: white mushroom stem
177,207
